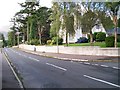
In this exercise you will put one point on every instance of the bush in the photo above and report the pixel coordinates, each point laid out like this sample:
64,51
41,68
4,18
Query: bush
49,42
100,37
34,42
26,42
54,40
88,35
94,36
118,38
82,40
109,41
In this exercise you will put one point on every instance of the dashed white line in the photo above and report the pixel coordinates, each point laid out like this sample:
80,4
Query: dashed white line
24,55
103,81
86,63
56,66
116,68
34,59
104,65
96,64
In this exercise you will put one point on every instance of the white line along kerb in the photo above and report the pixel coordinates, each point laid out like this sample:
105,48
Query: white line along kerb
101,81
16,76
57,67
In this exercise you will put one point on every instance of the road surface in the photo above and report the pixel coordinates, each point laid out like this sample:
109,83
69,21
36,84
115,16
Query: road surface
8,79
44,72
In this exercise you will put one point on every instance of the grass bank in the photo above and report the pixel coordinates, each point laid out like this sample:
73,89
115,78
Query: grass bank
101,44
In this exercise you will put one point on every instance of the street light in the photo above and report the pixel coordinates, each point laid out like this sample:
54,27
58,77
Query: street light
18,33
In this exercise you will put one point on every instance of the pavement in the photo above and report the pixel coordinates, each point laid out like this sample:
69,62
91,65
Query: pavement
46,72
73,57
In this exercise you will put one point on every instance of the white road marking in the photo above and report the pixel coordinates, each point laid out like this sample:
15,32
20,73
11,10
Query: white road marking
96,64
64,59
19,54
15,74
75,59
34,59
24,55
57,66
116,68
104,65
86,63
102,81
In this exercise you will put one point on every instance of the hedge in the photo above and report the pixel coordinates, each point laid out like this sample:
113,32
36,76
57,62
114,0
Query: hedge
109,41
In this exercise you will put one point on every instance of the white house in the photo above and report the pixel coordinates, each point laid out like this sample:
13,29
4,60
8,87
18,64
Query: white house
78,34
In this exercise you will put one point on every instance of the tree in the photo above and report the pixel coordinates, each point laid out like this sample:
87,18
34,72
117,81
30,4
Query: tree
29,9
55,20
42,15
105,20
88,22
68,20
11,38
3,41
113,8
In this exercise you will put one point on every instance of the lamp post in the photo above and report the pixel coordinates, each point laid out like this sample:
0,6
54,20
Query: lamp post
57,42
18,33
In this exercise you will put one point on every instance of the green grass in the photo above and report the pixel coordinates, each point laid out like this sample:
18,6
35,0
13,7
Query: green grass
101,44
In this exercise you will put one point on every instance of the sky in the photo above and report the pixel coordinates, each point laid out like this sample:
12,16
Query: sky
8,8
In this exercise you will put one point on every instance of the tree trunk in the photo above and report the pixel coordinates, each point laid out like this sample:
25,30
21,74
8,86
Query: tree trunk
115,37
115,23
91,38
14,38
66,39
39,31
27,31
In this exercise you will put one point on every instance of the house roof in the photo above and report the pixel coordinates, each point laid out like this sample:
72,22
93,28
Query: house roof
111,31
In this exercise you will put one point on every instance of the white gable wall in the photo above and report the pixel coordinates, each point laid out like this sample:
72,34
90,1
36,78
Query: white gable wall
78,34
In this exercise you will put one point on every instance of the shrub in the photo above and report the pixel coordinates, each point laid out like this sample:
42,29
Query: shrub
60,41
34,42
94,36
27,42
54,40
82,40
109,41
49,42
88,35
100,37
118,38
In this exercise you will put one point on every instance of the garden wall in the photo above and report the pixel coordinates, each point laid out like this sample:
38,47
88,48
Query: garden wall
83,50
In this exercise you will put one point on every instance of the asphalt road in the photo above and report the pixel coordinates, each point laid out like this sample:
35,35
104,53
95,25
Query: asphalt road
43,72
8,79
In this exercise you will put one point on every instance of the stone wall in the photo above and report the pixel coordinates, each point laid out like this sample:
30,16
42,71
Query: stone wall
84,50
